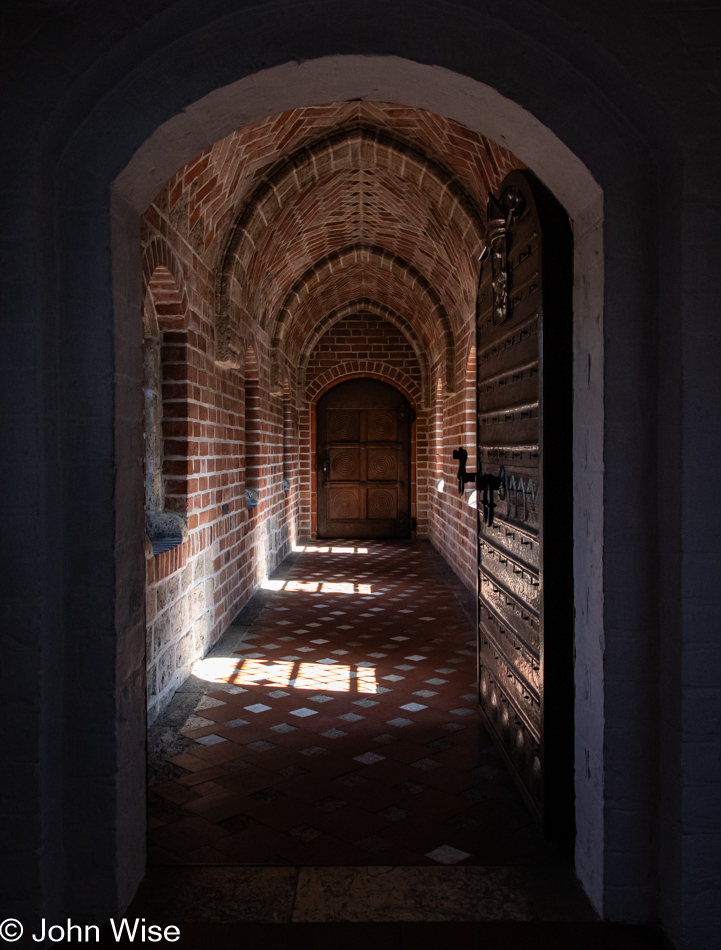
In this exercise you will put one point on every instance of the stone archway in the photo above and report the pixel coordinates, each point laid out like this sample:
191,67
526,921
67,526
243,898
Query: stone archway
576,189
479,106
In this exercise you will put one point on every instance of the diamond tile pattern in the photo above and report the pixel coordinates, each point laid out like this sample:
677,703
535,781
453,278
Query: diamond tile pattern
286,770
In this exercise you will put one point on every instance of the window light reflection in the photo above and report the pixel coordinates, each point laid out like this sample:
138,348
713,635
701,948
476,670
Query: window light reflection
310,587
314,587
272,585
264,672
217,669
321,549
336,677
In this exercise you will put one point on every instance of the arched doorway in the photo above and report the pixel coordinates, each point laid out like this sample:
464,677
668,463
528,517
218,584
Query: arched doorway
578,193
548,144
363,461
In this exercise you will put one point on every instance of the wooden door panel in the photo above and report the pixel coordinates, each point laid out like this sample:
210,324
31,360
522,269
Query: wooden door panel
516,577
382,503
383,463
382,426
515,652
344,504
343,425
363,474
525,591
499,362
345,463
509,431
522,623
517,388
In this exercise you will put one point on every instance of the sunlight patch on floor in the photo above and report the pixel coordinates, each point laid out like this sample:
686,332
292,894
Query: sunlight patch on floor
314,587
325,549
335,677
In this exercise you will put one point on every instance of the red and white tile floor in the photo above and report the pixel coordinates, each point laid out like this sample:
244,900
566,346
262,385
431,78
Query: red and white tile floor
342,729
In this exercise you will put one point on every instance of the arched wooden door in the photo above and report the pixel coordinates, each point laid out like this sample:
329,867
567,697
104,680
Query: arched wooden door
525,550
363,461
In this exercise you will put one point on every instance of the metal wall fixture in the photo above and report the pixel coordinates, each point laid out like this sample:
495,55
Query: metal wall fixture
485,484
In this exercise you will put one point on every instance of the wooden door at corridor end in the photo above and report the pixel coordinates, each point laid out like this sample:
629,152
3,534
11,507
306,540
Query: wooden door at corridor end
525,557
363,461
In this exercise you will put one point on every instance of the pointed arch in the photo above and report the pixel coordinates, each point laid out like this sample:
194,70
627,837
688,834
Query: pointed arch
356,146
438,431
253,451
396,271
166,397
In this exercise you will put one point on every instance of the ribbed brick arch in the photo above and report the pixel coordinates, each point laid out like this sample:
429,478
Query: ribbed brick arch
364,305
354,147
165,317
298,306
163,278
373,369
350,207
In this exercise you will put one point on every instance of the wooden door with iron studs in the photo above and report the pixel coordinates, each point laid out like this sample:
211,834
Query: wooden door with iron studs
525,493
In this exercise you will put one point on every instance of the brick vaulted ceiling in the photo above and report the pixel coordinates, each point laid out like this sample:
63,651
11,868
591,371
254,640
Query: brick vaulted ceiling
327,209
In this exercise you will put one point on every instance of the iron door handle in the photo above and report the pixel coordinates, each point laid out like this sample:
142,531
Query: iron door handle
487,484
490,484
463,476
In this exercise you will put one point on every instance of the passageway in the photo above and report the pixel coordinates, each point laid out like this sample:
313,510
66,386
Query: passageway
221,213
314,300
336,725
340,727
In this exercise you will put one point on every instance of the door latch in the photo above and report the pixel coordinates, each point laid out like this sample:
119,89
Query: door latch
486,485
463,476
325,463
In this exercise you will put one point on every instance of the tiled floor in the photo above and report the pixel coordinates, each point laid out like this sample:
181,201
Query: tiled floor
339,728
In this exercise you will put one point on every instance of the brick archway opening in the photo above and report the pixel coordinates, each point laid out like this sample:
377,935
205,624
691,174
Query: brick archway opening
439,320
408,82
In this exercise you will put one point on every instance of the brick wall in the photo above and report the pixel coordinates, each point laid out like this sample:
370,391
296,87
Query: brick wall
194,591
224,431
453,516
363,337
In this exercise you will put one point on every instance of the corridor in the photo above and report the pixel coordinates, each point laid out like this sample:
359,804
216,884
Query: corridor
339,726
224,220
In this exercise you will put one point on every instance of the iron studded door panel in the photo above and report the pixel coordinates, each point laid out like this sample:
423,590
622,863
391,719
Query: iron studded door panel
525,583
363,473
